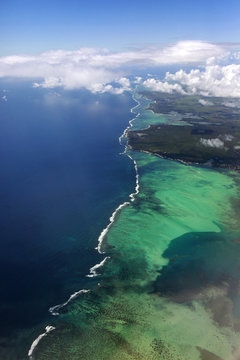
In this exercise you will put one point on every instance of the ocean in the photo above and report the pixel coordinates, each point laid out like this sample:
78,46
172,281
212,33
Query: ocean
62,176
168,287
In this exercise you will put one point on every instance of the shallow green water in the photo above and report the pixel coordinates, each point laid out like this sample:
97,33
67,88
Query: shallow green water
148,117
171,287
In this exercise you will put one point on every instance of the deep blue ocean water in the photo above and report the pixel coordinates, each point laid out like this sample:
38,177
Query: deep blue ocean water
61,177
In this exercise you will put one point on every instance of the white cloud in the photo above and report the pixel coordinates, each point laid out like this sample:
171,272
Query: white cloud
97,69
215,80
189,51
137,79
158,85
125,83
231,104
227,137
4,98
205,102
217,143
219,77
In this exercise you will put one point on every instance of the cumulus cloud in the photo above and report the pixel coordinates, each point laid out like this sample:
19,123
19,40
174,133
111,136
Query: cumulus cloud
231,104
100,70
158,85
4,98
227,137
205,102
214,80
217,143
220,76
137,79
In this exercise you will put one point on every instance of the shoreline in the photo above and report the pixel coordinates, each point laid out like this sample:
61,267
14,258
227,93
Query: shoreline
212,225
215,162
208,165
92,271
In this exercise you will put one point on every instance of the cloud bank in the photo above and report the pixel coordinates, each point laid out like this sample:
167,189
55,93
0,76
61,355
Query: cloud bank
100,70
213,80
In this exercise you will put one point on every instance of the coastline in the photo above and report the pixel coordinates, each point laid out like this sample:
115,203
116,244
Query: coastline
92,271
145,240
132,195
152,138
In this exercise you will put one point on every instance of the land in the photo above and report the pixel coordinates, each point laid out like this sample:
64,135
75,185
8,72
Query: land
208,131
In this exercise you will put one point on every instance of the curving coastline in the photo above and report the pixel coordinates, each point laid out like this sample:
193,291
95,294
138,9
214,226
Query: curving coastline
54,310
173,265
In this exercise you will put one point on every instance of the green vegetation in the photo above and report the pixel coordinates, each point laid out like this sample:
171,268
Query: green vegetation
212,134
170,290
193,110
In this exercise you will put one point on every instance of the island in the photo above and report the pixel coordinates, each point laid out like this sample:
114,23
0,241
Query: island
207,131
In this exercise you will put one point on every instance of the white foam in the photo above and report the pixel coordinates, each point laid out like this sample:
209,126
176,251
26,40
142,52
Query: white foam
130,124
54,309
131,196
105,231
93,272
39,338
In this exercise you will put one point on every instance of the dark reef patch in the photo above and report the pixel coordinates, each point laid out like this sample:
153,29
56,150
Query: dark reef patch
205,267
207,355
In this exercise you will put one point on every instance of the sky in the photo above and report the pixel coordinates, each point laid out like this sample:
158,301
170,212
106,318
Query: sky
31,26
100,45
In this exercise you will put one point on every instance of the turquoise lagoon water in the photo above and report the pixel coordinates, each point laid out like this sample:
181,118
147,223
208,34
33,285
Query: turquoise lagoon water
169,286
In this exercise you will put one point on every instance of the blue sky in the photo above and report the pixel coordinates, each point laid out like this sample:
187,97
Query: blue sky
29,26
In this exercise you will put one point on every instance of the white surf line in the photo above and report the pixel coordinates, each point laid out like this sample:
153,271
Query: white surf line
39,338
130,123
131,196
93,272
105,231
54,309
